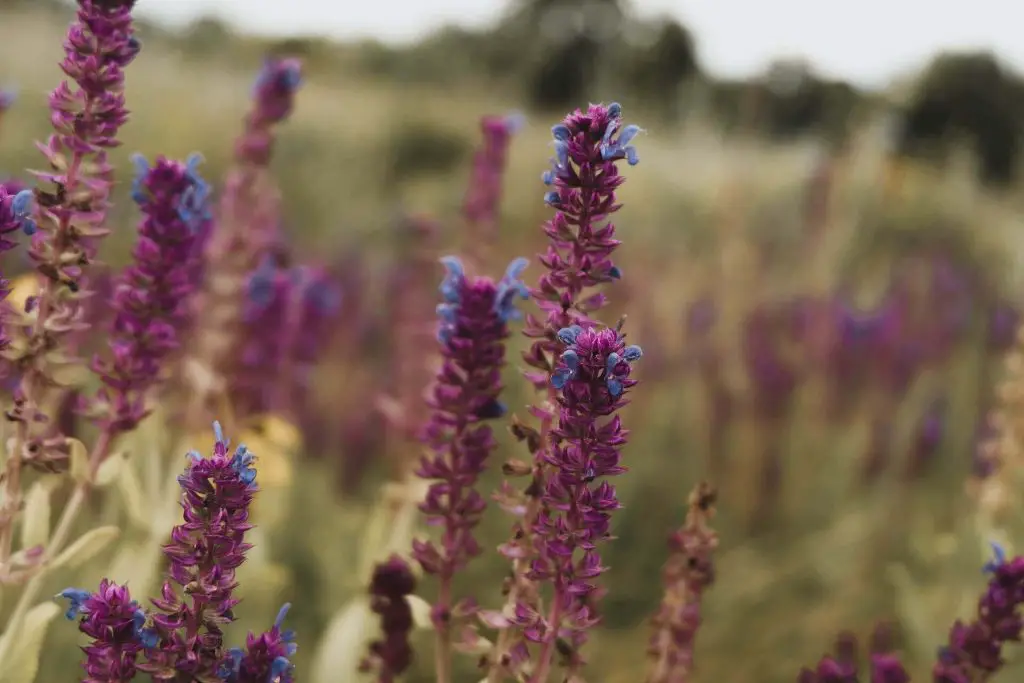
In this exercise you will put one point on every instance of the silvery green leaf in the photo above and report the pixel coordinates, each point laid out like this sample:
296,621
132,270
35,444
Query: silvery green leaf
22,663
35,520
345,640
137,564
79,458
420,612
130,488
86,547
110,469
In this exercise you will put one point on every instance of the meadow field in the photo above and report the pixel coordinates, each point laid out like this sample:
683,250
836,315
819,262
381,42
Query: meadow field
824,332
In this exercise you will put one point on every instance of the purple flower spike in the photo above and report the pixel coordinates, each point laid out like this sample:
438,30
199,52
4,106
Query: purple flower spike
265,658
594,377
153,298
204,554
266,313
483,197
99,46
473,327
391,655
273,99
117,626
583,177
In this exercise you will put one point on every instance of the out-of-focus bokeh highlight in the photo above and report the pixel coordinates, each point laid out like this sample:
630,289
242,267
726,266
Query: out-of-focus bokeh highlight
825,282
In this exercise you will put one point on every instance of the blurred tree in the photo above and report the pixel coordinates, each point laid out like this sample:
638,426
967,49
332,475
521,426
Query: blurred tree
788,101
660,58
206,36
972,98
564,41
796,101
416,149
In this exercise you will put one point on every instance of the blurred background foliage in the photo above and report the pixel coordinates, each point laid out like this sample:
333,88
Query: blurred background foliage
845,466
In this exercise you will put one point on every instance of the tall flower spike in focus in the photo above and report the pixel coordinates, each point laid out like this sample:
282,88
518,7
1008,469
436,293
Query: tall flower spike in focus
152,298
204,553
248,219
584,177
473,327
593,376
67,219
117,626
688,573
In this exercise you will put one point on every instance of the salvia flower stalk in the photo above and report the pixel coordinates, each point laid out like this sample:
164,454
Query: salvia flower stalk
583,178
67,220
974,651
247,224
287,314
473,327
181,639
593,377
116,625
482,203
391,654
688,573
152,298
843,666
204,553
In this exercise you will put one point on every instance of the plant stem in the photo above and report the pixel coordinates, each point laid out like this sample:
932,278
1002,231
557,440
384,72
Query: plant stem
443,641
547,652
12,467
67,519
521,564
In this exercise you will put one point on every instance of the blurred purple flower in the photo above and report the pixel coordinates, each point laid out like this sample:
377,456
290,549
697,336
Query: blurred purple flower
483,197
974,649
1003,321
391,654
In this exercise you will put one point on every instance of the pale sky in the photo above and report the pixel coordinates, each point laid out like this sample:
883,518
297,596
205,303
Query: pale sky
866,41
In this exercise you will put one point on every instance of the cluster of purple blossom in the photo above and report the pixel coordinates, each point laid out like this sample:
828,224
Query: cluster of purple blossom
156,313
562,500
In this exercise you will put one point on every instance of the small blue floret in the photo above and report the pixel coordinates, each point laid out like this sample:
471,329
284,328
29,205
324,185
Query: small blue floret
567,335
76,598
22,208
998,558
510,288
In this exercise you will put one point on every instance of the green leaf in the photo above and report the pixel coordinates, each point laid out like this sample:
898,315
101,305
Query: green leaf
344,643
22,664
88,546
137,564
110,469
79,457
420,612
35,520
130,488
